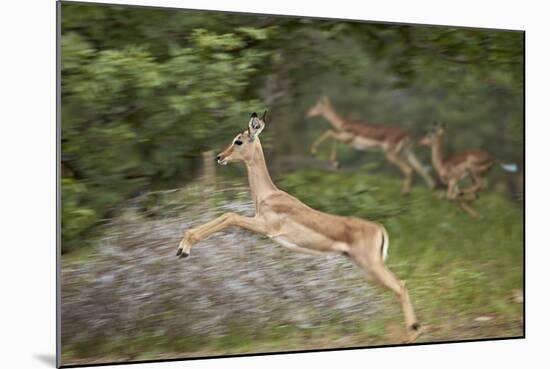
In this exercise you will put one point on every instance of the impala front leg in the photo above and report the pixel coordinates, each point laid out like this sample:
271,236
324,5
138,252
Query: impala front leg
453,193
452,189
475,187
201,232
329,133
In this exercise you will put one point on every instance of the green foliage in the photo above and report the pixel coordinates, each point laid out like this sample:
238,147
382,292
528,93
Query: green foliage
131,118
74,216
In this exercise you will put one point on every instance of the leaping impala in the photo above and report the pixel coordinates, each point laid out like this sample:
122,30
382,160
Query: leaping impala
394,141
451,169
289,222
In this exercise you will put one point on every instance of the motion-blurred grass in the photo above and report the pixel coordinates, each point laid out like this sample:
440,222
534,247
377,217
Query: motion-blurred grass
462,272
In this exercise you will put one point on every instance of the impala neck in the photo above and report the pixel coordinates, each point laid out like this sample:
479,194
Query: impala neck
437,155
259,179
332,116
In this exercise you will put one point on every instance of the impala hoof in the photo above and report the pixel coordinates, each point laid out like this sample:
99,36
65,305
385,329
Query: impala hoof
414,333
182,254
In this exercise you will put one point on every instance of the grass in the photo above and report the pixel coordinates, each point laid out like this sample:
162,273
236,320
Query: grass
458,269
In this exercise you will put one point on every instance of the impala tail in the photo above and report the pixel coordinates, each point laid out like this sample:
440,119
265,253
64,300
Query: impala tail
385,244
511,167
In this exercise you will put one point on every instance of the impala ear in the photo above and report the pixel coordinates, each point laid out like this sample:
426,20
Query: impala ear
264,116
255,126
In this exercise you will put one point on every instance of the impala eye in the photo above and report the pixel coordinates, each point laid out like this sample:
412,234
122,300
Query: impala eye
238,142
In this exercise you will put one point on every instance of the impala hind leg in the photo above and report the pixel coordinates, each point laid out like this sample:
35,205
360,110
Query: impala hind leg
405,168
419,168
385,278
477,185
453,194
467,208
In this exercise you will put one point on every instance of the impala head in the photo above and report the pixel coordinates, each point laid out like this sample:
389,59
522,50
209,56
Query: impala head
319,108
432,135
242,147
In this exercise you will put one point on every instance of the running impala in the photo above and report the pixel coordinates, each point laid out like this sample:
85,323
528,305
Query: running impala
473,163
395,142
292,224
